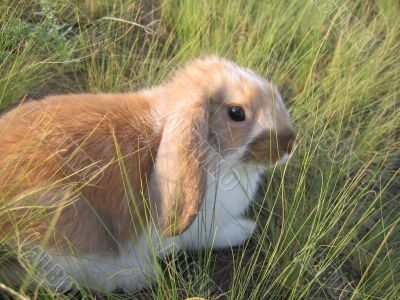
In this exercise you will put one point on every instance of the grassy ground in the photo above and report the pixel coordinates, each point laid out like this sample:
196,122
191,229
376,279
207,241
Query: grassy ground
329,221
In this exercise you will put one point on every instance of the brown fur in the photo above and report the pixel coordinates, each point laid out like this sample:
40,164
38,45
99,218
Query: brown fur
270,146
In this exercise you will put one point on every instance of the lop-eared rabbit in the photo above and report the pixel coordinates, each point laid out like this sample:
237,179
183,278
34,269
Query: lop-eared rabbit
102,184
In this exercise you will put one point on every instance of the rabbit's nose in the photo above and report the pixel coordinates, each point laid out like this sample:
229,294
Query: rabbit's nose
286,141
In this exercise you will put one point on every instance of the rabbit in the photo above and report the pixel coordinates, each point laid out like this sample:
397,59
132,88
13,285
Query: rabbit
103,184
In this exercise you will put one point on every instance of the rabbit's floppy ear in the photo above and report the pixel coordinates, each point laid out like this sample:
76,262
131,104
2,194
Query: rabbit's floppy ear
179,166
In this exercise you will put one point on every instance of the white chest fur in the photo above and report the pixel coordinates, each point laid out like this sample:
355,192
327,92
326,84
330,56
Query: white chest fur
220,222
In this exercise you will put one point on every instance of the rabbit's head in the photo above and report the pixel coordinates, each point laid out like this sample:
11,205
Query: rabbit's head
214,107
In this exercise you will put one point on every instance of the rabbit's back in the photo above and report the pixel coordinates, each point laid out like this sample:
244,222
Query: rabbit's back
72,148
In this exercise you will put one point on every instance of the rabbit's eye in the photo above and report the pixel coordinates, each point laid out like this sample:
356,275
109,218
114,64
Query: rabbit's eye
236,113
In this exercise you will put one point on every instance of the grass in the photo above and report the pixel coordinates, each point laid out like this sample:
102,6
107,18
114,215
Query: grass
329,220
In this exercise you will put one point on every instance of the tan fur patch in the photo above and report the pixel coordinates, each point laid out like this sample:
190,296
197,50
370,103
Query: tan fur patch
70,139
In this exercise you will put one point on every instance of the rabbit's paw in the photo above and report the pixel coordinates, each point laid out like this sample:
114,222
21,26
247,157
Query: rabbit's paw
234,233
